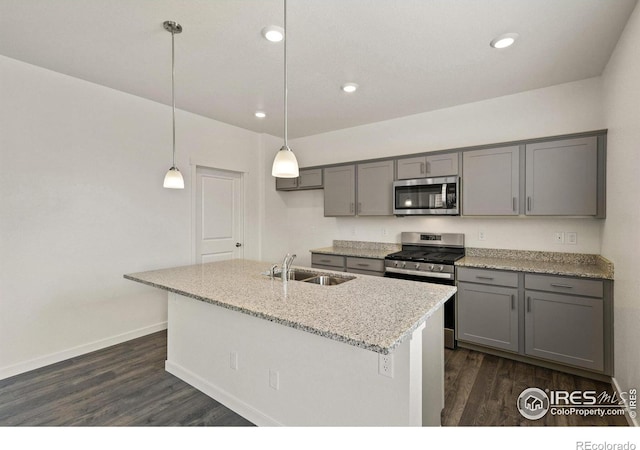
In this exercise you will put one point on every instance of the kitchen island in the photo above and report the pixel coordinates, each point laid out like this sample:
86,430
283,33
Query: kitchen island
368,351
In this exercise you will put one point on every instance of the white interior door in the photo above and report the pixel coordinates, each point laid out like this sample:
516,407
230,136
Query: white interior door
219,231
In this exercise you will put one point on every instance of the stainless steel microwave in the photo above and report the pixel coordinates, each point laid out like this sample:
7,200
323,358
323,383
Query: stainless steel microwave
426,196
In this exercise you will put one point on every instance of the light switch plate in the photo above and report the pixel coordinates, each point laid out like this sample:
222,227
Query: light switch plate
571,237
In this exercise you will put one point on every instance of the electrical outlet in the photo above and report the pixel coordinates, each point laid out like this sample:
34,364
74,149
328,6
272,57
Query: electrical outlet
233,360
384,231
558,238
385,365
481,235
572,237
274,379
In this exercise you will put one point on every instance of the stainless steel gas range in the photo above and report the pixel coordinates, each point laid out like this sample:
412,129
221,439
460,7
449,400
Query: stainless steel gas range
429,257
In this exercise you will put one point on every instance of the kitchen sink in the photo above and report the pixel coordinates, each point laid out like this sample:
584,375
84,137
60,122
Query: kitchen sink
327,280
315,277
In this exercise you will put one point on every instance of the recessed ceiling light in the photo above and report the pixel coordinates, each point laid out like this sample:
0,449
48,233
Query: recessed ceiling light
349,87
260,114
504,41
273,33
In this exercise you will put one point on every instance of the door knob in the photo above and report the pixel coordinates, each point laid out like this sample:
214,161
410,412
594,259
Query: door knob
238,244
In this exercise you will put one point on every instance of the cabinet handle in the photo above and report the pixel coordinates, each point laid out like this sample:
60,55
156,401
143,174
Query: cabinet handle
351,207
513,303
363,265
359,207
325,260
483,278
428,167
515,204
529,304
566,286
422,168
529,204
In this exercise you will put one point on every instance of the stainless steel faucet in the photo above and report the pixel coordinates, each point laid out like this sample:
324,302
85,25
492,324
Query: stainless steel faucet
286,266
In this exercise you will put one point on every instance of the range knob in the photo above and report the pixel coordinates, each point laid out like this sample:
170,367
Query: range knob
440,268
404,264
417,266
431,267
396,263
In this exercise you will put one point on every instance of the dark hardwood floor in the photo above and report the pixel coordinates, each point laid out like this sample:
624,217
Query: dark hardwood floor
482,390
126,385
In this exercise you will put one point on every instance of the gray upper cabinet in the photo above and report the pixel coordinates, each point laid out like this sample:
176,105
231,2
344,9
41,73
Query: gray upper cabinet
491,181
375,182
562,177
443,164
340,191
308,179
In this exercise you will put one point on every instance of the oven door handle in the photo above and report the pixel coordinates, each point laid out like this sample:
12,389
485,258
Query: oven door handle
446,276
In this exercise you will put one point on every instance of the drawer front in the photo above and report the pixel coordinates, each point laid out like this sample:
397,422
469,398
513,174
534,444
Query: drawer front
323,267
376,265
366,272
327,260
564,285
488,276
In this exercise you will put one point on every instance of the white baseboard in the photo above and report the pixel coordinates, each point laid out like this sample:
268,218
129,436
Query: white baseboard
42,361
230,401
633,422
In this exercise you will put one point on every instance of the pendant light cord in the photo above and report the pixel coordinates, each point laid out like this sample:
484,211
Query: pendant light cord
286,38
173,94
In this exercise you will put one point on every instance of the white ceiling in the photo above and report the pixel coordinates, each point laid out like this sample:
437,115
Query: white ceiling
408,56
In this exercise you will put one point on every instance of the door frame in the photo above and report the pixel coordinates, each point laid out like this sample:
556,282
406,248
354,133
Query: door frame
243,200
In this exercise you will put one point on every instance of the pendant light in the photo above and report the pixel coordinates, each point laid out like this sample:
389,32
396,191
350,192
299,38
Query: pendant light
173,179
285,164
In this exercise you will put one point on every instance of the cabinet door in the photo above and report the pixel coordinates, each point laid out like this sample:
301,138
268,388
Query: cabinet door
488,315
565,328
375,186
286,184
310,178
442,165
409,168
340,191
562,177
491,181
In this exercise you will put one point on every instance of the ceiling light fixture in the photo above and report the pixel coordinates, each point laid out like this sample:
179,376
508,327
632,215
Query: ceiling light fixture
173,179
504,41
260,114
273,33
349,87
285,164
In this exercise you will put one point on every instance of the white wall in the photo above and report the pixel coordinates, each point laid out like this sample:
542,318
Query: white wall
82,203
621,240
562,109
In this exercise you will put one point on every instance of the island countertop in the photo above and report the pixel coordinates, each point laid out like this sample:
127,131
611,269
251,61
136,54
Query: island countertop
370,312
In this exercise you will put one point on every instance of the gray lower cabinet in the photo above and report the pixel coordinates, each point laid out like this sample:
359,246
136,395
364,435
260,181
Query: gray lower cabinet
565,328
559,319
562,177
491,181
488,315
374,193
328,262
440,165
365,266
340,191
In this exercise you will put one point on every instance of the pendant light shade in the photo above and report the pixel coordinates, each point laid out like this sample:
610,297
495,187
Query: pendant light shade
285,164
173,179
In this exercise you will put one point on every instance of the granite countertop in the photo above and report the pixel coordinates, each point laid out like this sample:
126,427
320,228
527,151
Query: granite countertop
553,263
359,249
370,312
